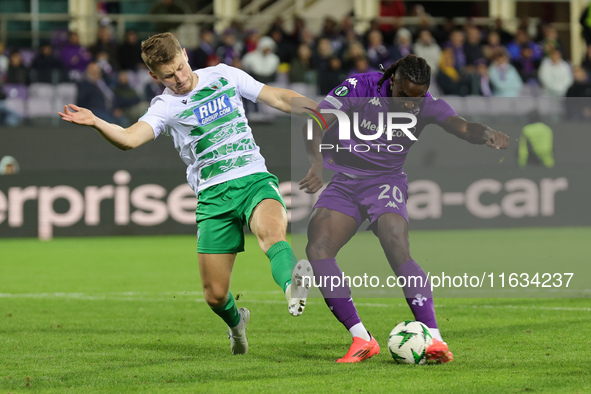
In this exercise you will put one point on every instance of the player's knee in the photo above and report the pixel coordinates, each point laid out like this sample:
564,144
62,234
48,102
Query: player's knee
270,238
320,249
215,299
394,237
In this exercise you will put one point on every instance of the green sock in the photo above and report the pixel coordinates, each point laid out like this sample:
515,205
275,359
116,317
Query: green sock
228,312
280,256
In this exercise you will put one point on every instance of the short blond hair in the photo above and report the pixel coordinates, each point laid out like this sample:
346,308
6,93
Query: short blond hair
160,49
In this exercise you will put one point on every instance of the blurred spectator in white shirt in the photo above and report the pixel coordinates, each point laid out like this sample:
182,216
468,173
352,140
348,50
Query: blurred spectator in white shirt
427,48
555,74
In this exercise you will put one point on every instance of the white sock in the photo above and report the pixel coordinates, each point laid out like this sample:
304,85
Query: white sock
436,334
358,330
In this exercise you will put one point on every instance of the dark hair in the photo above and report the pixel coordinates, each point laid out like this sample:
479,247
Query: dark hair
412,68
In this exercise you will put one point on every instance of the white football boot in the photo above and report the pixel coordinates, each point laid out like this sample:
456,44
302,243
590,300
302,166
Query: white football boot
237,334
297,291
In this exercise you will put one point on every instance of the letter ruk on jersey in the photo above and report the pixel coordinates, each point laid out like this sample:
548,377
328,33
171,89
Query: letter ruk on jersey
213,109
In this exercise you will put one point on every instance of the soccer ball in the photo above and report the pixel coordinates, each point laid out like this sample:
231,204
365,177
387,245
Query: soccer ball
408,342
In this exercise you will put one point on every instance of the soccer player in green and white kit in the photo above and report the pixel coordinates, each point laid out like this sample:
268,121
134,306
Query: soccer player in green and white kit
202,112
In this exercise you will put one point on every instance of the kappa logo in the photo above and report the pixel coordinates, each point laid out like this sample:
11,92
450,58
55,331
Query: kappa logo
184,101
419,300
391,204
213,109
353,82
375,101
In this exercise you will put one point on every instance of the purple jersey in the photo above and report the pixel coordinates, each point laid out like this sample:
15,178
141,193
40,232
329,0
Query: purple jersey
360,94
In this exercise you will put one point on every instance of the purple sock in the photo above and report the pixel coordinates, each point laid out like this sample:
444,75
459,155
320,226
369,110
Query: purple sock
337,295
419,298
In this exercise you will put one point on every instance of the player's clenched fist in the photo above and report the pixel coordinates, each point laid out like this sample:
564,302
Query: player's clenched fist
497,140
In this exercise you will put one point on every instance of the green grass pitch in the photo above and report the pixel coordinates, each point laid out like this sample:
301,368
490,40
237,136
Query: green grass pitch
126,314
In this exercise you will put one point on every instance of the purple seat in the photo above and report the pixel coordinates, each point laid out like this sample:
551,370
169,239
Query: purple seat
15,90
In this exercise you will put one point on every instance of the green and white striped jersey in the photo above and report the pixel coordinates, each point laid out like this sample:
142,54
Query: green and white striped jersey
208,126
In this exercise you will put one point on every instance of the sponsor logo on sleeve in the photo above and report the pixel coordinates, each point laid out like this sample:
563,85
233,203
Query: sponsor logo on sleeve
334,101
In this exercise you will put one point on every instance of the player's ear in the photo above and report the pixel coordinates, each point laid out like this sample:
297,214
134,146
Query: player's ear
152,75
185,54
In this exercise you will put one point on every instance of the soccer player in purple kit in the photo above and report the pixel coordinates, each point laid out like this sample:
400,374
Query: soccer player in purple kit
372,185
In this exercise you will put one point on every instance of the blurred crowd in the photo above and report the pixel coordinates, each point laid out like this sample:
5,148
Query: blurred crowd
465,60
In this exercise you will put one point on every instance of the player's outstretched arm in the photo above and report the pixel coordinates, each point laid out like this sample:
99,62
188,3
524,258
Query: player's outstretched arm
125,139
281,99
475,133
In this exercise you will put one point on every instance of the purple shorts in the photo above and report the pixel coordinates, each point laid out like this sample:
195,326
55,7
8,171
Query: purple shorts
366,198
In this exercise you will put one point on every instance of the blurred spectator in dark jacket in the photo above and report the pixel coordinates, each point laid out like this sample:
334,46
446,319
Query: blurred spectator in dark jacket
46,67
587,61
104,62
579,108
473,46
168,7
330,77
204,51
456,43
550,40
152,88
581,86
323,53
449,78
361,66
94,94
17,72
354,50
299,25
402,44
301,68
504,36
128,105
522,39
442,32
74,56
376,50
129,53
229,50
285,48
527,66
483,86
105,43
493,46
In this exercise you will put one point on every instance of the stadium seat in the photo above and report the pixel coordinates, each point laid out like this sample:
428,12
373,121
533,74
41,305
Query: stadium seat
15,90
65,93
41,101
18,105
